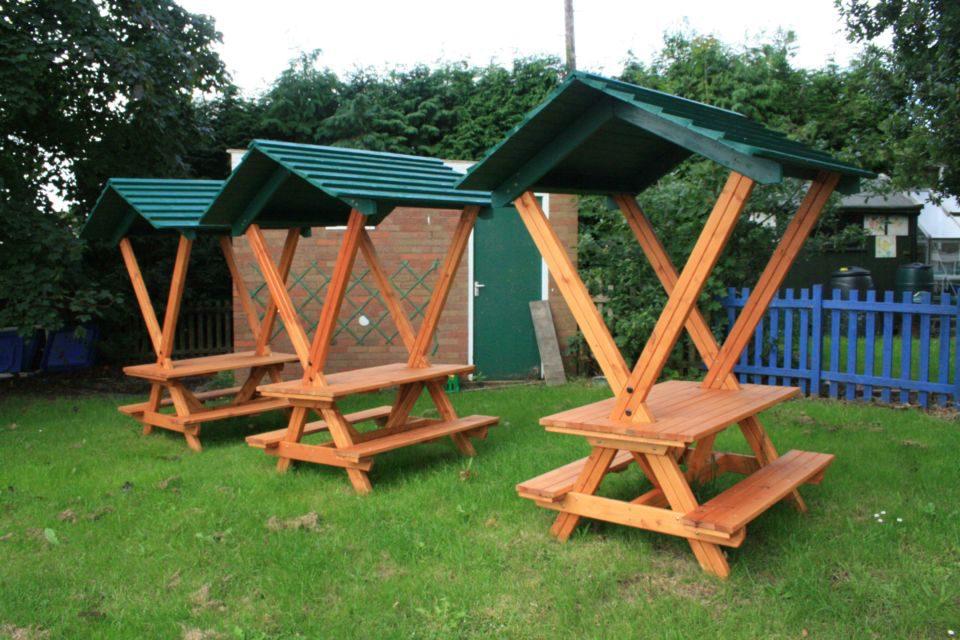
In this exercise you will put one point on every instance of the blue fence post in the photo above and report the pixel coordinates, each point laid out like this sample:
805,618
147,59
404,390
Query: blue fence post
956,353
816,339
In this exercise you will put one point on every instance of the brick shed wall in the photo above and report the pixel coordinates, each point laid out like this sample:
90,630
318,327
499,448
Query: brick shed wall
411,244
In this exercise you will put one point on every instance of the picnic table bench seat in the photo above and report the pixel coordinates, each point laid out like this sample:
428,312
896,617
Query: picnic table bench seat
137,408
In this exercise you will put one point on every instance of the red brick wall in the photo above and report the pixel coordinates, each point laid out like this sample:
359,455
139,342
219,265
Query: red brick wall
419,237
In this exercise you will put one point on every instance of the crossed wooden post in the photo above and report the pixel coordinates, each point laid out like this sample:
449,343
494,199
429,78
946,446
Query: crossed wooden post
656,425
318,391
166,375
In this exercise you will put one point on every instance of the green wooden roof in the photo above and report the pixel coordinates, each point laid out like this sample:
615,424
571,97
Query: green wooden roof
285,185
597,135
133,206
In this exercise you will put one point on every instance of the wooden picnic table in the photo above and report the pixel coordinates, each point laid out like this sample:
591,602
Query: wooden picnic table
139,206
326,186
321,393
595,135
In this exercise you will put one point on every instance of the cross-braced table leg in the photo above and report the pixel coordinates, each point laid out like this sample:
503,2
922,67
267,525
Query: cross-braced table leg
677,491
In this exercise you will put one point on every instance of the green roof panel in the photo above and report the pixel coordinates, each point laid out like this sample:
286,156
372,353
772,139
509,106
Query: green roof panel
597,135
286,184
134,206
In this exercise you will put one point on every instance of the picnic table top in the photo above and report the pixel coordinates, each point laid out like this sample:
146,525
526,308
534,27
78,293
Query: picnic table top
684,411
207,365
346,383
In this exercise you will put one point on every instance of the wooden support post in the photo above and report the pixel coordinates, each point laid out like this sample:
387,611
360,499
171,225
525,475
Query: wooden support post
327,324
773,275
407,396
143,297
574,292
677,492
340,432
174,298
298,419
441,290
390,300
712,240
589,479
697,327
283,270
448,414
279,295
246,303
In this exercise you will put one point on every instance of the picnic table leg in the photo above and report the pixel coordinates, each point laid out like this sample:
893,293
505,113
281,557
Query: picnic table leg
153,405
340,431
587,482
449,414
763,449
298,419
700,458
407,396
681,499
186,404
249,388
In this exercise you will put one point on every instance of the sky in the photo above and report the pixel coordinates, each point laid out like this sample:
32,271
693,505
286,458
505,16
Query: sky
260,38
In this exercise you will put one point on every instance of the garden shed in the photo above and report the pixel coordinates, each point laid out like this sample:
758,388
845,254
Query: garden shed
889,222
487,318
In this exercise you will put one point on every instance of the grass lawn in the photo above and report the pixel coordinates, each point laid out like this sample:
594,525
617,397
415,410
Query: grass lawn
105,533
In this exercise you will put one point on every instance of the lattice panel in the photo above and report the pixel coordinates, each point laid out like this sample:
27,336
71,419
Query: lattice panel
362,300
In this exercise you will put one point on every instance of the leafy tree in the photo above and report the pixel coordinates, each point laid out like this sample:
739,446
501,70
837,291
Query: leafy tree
925,62
91,89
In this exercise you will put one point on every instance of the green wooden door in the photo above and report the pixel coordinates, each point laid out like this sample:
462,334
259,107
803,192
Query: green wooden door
506,277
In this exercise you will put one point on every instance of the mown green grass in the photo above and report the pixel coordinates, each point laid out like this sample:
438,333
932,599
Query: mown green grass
444,548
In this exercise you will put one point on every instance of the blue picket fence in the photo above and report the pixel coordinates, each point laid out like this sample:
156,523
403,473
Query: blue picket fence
901,351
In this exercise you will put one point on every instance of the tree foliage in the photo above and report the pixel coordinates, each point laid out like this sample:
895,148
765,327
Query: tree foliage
924,64
91,89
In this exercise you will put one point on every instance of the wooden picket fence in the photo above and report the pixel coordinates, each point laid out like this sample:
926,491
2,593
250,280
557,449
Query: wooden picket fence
203,329
858,347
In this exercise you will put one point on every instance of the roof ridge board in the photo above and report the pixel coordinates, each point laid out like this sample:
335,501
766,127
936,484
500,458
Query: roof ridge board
330,180
375,168
401,194
294,155
316,148
160,181
743,126
653,93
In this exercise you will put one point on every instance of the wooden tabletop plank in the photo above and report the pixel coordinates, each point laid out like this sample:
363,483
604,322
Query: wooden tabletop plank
684,411
208,364
347,383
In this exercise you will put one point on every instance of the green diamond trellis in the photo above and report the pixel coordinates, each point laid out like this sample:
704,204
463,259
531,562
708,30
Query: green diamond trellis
405,280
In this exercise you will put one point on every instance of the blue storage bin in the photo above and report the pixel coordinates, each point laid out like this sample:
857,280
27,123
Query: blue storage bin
17,353
66,351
